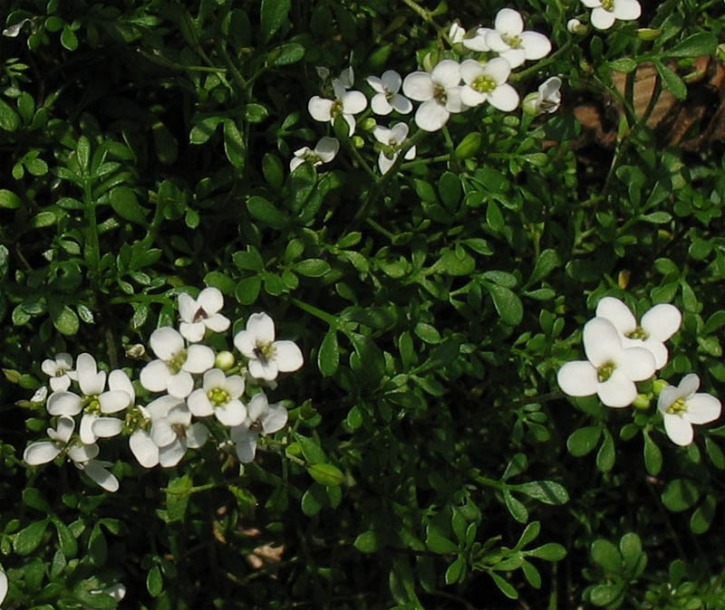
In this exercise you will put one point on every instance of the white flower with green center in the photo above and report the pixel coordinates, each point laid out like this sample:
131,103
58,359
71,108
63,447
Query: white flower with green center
611,369
94,401
440,94
387,98
509,40
64,442
325,151
683,406
656,327
201,314
219,396
266,356
172,430
392,140
172,371
345,104
487,83
606,12
60,370
262,418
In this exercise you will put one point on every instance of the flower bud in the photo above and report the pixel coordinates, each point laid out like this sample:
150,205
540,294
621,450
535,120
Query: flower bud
224,360
641,402
576,27
358,142
468,147
648,33
658,385
369,124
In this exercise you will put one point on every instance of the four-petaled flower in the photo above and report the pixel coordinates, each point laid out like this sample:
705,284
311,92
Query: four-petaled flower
392,139
262,418
172,430
683,406
611,369
606,12
345,104
219,396
546,100
198,315
509,40
440,92
487,83
657,325
171,372
267,357
324,152
60,370
387,98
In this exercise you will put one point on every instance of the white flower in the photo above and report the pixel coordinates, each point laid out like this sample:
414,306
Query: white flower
657,325
387,98
219,396
546,99
574,26
82,455
606,12
14,30
172,430
393,140
477,42
198,315
456,33
140,442
40,395
325,151
346,104
611,369
681,407
60,371
262,417
346,79
509,40
171,372
487,83
439,91
267,357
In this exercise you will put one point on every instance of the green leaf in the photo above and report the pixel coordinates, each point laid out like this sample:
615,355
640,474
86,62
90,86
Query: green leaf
9,200
455,262
273,15
657,218
548,492
624,64
606,454
701,519
529,534
328,357
178,493
68,39
155,581
515,507
671,81
204,129
83,154
64,318
584,440
30,538
311,450
503,585
247,290
652,456
507,304
266,212
234,146
437,543
456,572
313,500
326,474
367,542
125,203
449,189
680,494
66,540
603,595
312,267
548,261
551,551
607,555
9,119
286,54
702,43
34,499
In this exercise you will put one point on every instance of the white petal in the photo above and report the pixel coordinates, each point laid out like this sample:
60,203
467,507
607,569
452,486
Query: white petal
196,435
288,356
160,408
199,358
114,401
246,447
703,408
627,9
231,414
118,380
40,453
258,406
509,21
234,384
535,45
144,449
266,370
391,81
90,381
59,384
478,42
618,314
602,342
155,376
504,97
199,403
162,434
662,321
376,83
211,300
261,326
187,307
327,148
602,20
447,73
514,57
637,363
180,385
194,333
107,427
578,378
380,105
320,109
64,403
472,98
354,102
418,86
592,3
274,419
431,116
499,69
657,349
399,132
80,454
65,428
382,134
385,162
496,43
678,429
217,323
98,473
88,437
170,455
617,391
3,586
166,342
401,104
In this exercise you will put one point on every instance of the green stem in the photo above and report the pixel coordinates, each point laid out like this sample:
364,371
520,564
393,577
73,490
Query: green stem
93,246
318,313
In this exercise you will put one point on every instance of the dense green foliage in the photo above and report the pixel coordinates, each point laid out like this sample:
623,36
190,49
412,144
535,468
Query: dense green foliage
430,459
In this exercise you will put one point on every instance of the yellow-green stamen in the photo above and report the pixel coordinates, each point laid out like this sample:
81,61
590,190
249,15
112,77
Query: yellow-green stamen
439,93
677,408
264,352
605,371
177,361
484,84
608,5
513,41
92,405
638,333
218,396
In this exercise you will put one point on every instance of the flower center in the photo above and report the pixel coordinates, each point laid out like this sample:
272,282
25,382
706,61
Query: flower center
513,41
440,94
177,361
484,84
92,405
608,5
638,333
336,108
255,426
179,430
218,396
678,407
264,352
200,315
605,371
136,420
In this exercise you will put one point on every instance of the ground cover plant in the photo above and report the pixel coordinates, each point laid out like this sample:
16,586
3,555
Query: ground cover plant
362,304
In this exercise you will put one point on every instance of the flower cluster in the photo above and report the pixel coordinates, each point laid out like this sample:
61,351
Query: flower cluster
190,391
480,76
620,352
